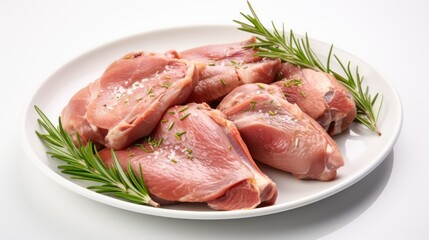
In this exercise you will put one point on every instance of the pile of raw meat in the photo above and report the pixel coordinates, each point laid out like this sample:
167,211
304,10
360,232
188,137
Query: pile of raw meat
196,120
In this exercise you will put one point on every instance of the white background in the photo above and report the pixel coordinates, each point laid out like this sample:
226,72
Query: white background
37,37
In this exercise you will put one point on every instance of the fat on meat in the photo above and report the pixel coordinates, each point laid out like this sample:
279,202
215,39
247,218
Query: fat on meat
128,100
196,155
279,134
224,67
319,95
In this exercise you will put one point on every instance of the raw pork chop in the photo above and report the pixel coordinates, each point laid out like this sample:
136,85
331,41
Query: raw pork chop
196,155
319,95
224,67
127,102
279,134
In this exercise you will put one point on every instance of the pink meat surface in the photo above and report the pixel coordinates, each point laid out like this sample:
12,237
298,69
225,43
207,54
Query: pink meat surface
196,155
224,67
319,95
128,100
279,134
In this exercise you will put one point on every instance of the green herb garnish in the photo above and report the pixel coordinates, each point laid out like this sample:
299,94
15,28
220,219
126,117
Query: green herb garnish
84,163
184,116
179,135
295,50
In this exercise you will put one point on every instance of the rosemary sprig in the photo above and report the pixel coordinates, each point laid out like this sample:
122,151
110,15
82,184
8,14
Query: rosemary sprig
84,163
295,50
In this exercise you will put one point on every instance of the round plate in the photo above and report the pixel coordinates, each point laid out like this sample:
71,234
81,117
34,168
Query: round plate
362,149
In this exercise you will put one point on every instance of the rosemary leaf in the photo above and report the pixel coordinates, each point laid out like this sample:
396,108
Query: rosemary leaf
274,44
84,163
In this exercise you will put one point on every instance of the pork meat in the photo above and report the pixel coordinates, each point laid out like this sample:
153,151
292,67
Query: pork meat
224,67
128,100
279,134
196,155
319,95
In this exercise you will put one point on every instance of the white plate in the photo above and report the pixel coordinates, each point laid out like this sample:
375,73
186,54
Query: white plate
362,149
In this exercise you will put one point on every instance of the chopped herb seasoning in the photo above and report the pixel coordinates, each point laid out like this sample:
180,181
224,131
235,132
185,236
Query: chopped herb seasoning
174,160
230,147
153,142
145,149
184,116
189,153
272,113
303,93
171,112
252,105
223,82
167,77
131,154
184,109
179,135
139,99
149,91
164,120
236,64
170,126
292,82
261,86
166,84
211,64
159,142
